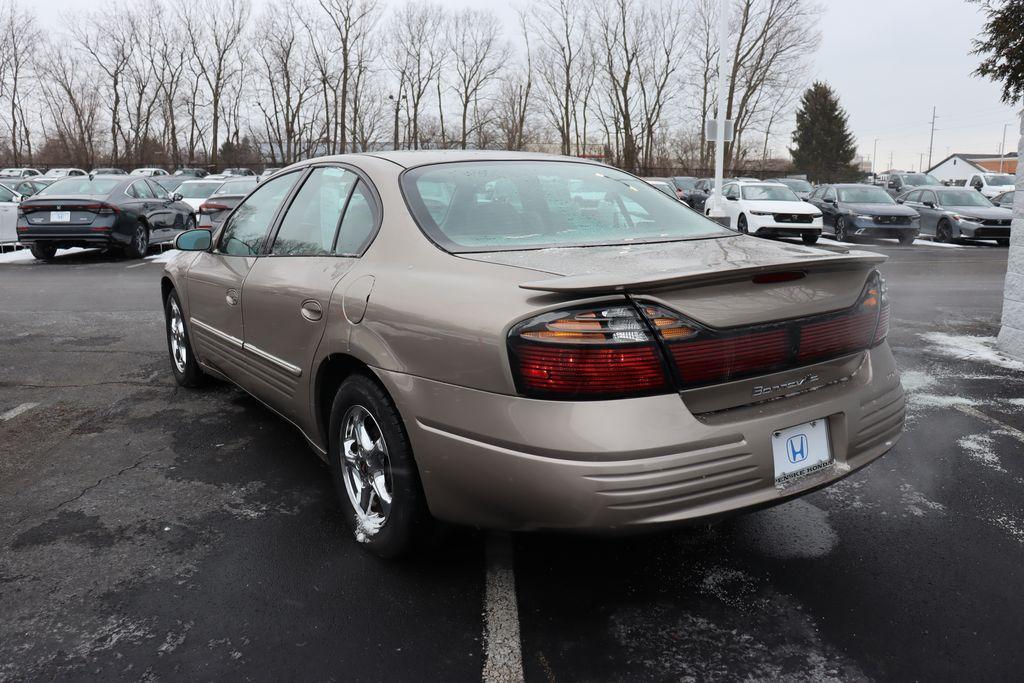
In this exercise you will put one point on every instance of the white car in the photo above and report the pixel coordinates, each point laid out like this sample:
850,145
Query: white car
63,172
195,192
19,173
770,210
991,184
150,172
8,214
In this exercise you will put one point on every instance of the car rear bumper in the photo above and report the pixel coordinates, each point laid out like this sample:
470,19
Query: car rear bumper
508,462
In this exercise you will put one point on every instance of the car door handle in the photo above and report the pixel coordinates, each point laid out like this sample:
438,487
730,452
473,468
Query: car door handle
312,310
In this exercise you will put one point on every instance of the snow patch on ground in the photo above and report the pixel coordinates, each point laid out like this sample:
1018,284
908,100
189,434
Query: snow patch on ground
966,347
981,448
1011,525
916,504
25,255
164,256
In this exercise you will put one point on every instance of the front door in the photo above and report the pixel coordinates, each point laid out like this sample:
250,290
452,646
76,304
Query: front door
215,278
8,216
286,297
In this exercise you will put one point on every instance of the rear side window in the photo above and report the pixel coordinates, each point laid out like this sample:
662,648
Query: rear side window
5,194
358,224
245,229
310,226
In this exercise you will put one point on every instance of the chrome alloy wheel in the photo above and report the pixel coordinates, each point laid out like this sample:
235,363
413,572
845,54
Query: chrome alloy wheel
368,478
179,352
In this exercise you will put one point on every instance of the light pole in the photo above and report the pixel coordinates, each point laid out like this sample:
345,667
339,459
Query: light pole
1002,148
874,153
723,36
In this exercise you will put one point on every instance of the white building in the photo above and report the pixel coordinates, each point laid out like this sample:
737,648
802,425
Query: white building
960,167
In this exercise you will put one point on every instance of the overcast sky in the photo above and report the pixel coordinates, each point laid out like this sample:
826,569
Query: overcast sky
890,62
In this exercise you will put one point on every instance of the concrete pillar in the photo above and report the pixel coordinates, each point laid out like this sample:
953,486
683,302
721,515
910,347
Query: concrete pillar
1011,334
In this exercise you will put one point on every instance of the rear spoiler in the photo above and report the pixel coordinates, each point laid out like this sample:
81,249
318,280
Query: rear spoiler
595,283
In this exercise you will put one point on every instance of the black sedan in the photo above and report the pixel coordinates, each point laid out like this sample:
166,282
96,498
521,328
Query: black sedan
1004,200
126,213
218,205
854,209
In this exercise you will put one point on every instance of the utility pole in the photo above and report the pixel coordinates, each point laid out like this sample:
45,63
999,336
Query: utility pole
931,139
919,157
874,153
1002,148
890,159
723,39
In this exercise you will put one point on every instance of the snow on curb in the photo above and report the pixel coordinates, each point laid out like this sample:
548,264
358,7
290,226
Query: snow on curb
966,347
26,255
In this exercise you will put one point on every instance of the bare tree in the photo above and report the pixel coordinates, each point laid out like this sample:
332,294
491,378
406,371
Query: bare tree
478,52
514,103
563,34
19,38
216,32
416,51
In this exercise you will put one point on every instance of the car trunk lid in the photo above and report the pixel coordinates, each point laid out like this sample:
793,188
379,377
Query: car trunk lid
65,211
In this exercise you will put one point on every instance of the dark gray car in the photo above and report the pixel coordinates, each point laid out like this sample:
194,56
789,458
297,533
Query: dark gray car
1004,200
900,183
855,209
951,213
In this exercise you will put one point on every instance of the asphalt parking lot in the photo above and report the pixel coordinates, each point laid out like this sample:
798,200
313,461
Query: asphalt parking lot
148,531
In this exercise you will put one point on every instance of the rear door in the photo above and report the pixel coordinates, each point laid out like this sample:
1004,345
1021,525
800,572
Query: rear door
215,278
8,216
285,298
828,209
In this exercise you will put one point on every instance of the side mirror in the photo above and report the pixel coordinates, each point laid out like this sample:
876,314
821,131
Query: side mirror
198,239
177,196
834,202
930,205
900,200
732,199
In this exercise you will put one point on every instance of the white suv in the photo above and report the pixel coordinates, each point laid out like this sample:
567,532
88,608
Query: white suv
991,184
770,210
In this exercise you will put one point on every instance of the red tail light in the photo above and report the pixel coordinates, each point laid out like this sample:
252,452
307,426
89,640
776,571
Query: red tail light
703,356
212,207
604,352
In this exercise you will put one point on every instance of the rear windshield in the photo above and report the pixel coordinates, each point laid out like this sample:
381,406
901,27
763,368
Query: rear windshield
510,205
235,187
771,193
198,190
999,179
864,195
795,184
81,185
919,179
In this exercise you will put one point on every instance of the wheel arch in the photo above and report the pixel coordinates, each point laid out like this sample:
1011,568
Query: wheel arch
332,371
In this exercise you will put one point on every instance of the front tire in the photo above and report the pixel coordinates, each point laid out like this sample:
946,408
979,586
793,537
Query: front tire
373,468
944,232
741,224
907,239
184,365
1003,241
841,234
809,238
43,252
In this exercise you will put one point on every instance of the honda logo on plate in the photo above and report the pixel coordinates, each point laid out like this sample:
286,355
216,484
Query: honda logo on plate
796,448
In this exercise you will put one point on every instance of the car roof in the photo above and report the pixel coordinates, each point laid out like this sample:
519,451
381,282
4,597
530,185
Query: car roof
413,158
747,183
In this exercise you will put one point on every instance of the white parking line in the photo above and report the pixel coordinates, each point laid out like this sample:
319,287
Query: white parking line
974,412
16,411
135,265
503,655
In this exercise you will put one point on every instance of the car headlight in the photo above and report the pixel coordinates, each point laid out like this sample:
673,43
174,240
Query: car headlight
763,213
864,216
964,219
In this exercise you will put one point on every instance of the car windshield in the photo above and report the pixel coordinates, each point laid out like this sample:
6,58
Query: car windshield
235,187
864,195
919,179
962,198
999,179
795,184
769,193
80,185
198,190
510,205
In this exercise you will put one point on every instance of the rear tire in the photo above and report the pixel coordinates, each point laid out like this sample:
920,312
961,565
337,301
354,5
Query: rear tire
184,365
809,238
140,242
43,252
387,528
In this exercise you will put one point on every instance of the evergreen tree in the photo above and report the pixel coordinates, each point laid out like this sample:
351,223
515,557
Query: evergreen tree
823,146
1002,46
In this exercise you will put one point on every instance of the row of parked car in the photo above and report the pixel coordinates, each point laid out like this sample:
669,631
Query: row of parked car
147,171
792,207
117,211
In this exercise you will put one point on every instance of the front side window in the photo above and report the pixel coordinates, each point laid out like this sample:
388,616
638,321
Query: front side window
731,191
510,205
830,194
927,196
310,226
914,196
246,227
962,198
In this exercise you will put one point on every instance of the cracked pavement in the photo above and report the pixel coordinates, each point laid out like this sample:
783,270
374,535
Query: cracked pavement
151,532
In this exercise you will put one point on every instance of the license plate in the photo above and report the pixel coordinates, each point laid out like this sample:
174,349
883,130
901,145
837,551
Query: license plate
800,450
60,216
